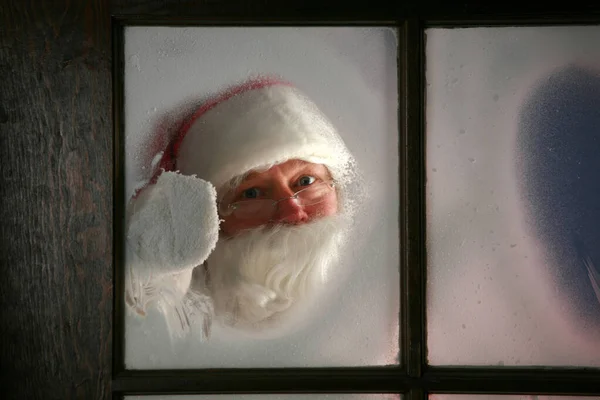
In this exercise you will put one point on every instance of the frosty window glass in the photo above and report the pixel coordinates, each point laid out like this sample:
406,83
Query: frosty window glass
504,397
271,397
512,192
262,197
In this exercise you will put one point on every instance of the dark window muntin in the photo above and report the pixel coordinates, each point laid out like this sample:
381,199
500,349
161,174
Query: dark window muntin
412,377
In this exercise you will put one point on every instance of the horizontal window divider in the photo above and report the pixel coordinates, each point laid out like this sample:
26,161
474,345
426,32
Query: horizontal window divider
489,380
449,20
513,380
377,18
390,379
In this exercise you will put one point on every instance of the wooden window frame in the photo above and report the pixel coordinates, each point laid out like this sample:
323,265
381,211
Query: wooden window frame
412,377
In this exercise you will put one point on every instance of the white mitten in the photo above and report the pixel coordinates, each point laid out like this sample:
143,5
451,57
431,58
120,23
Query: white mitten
172,227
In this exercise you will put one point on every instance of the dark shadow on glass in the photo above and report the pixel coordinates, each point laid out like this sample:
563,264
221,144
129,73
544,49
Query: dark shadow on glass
558,159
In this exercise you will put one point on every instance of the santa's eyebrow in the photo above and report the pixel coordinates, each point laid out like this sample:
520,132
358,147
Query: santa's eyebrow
311,168
318,170
242,178
248,176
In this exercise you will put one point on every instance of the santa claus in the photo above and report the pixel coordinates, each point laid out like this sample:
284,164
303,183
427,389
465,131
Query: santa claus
246,214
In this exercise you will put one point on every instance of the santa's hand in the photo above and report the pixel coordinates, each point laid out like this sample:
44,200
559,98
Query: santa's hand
173,225
185,309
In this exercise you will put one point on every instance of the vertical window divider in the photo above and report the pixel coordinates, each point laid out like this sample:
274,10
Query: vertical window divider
412,198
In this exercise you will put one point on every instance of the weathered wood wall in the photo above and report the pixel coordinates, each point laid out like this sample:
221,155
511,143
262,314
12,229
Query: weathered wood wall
56,196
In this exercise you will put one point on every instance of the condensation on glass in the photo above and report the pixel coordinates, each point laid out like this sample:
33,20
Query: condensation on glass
513,232
504,397
351,74
363,396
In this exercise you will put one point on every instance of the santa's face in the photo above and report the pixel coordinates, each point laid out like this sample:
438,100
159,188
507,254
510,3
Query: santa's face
272,192
280,234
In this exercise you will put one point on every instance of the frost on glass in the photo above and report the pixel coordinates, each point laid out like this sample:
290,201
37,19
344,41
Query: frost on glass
363,396
350,73
504,397
513,238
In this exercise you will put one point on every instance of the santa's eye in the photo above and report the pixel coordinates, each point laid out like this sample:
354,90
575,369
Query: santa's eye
251,193
306,180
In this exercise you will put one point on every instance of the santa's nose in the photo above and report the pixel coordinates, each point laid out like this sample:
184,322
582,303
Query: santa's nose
290,212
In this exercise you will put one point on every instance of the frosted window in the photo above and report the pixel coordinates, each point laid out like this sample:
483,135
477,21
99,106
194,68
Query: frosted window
271,397
503,397
513,139
351,74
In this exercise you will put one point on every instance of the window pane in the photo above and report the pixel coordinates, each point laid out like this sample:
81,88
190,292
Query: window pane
362,396
349,75
504,397
512,195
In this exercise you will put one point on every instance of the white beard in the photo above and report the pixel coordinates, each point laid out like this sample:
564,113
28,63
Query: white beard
256,277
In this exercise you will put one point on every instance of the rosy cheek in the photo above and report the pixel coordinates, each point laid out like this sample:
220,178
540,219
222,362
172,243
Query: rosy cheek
324,209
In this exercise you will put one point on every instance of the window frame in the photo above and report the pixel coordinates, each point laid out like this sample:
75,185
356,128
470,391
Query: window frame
412,377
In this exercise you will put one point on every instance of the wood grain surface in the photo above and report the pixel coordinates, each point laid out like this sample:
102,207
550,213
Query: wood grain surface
56,197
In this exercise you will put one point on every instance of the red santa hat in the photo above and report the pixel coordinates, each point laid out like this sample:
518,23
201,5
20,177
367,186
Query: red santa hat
260,123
